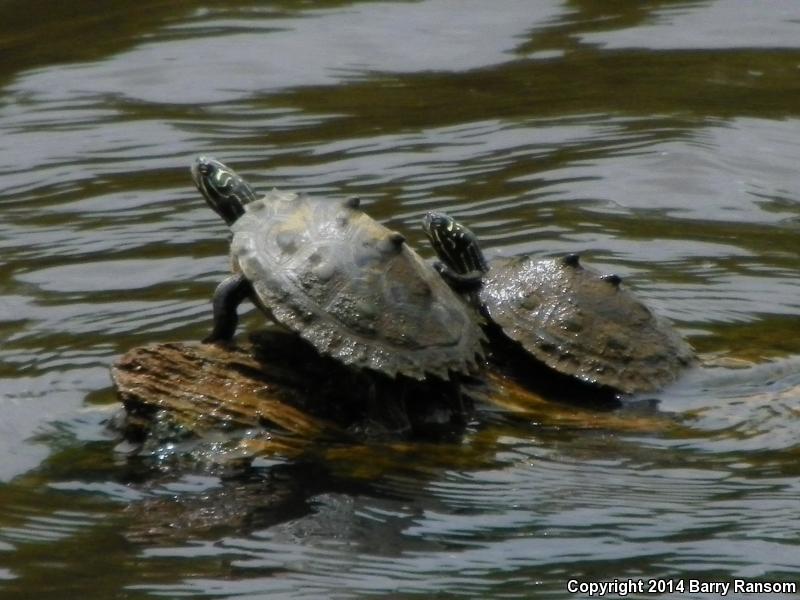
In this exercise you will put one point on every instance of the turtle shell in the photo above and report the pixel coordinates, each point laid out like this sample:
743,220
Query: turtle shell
352,287
583,324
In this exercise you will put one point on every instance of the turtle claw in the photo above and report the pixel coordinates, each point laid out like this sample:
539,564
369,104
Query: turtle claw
215,339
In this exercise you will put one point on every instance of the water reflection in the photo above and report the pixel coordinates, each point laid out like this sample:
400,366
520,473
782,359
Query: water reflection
754,28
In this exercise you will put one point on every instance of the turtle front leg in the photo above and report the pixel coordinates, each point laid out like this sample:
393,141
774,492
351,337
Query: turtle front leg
460,282
227,298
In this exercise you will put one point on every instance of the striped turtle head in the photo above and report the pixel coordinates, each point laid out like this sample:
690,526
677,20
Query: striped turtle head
455,245
224,190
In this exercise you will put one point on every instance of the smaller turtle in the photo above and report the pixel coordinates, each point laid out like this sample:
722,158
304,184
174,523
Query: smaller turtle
567,316
342,281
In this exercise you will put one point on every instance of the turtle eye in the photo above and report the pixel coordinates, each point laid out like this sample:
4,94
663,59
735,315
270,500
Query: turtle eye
206,170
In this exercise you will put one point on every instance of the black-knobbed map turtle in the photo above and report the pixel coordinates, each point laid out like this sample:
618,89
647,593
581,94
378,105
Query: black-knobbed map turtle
351,287
569,317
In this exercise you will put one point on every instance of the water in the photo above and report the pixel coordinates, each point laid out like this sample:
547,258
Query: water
660,139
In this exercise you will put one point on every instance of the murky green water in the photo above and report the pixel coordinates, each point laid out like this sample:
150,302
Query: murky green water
660,139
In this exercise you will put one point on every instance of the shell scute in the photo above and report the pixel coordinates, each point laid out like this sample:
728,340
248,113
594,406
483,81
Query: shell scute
353,288
583,324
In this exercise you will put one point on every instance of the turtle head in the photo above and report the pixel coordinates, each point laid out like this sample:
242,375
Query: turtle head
455,245
224,190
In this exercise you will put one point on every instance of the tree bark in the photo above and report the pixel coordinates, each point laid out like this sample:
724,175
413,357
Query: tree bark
277,383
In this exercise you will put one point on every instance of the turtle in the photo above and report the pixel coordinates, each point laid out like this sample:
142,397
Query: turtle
570,317
339,279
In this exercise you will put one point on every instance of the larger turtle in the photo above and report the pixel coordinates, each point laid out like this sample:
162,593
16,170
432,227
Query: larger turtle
567,316
348,285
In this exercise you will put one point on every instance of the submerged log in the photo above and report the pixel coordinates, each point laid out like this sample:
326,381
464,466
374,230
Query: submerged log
278,384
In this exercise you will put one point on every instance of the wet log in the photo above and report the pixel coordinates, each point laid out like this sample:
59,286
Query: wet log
277,384
206,386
